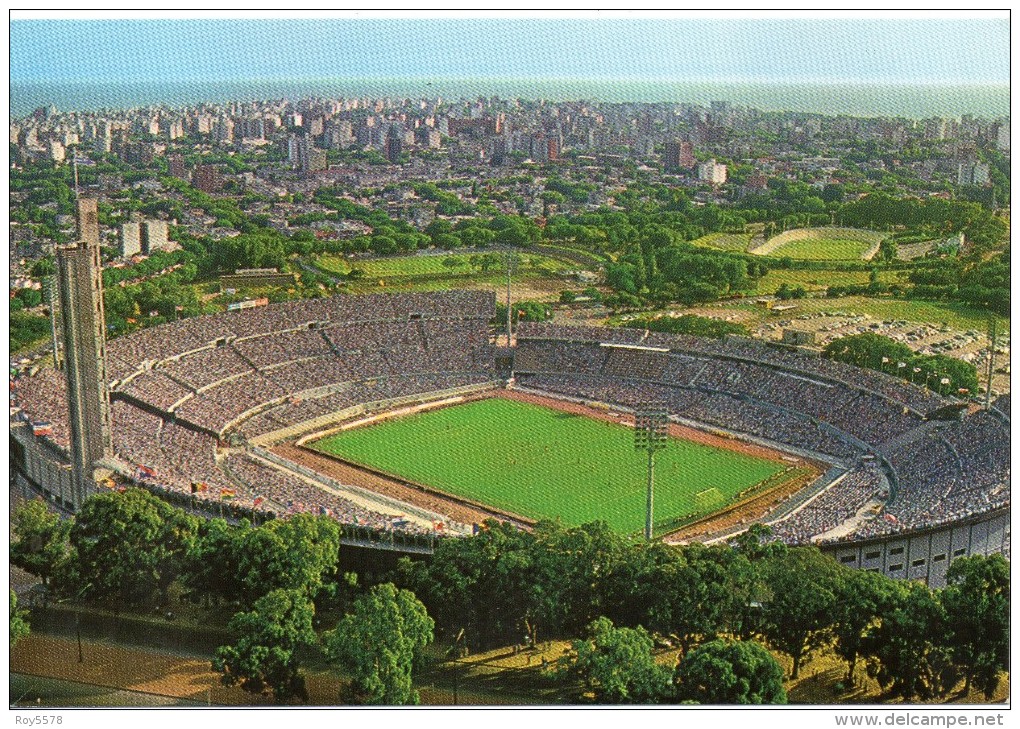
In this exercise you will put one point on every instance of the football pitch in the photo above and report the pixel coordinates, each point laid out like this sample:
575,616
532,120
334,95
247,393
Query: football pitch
542,463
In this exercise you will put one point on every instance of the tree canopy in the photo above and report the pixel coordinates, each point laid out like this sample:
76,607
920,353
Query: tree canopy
616,665
262,658
128,547
380,641
730,672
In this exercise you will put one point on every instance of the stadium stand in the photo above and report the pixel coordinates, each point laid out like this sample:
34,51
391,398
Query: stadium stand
179,388
188,395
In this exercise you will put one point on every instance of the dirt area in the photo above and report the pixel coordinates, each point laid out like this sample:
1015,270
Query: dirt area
745,512
147,671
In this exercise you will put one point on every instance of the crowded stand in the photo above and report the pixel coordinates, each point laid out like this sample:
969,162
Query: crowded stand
156,388
43,398
291,494
749,350
861,414
181,391
177,389
941,472
207,366
831,508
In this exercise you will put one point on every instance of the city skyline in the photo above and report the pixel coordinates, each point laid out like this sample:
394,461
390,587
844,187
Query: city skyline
942,50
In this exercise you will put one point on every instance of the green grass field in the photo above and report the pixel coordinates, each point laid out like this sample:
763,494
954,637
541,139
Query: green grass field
824,244
545,464
824,249
725,241
413,266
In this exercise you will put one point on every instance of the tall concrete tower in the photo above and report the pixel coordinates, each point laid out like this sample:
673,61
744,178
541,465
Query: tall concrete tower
80,284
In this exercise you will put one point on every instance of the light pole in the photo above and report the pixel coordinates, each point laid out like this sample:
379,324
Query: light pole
510,262
651,427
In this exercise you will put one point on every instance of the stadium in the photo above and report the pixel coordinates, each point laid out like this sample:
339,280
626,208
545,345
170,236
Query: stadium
232,414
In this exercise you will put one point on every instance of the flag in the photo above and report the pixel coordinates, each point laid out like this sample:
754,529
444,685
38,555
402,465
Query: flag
42,427
227,493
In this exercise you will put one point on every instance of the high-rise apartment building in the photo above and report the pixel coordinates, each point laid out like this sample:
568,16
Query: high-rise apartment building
712,172
155,236
394,145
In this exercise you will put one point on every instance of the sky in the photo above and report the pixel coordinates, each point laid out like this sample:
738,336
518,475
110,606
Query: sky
947,49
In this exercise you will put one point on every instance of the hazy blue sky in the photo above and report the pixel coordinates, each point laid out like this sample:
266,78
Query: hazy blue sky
956,50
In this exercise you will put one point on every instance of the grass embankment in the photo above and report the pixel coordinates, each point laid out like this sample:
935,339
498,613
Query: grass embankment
822,244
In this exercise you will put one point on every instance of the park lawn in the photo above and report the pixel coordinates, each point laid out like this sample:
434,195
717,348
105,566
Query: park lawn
725,241
818,280
824,249
545,464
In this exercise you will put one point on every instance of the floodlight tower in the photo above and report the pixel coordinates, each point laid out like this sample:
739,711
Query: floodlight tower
510,261
992,343
651,426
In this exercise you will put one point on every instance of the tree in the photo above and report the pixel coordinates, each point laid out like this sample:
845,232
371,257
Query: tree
481,585
40,539
452,262
19,625
129,547
976,603
572,576
262,658
212,562
908,650
699,593
297,553
616,665
797,616
380,642
862,598
730,672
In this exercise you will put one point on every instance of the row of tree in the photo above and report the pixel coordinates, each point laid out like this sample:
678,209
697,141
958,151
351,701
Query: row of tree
945,375
130,548
556,581
617,666
698,326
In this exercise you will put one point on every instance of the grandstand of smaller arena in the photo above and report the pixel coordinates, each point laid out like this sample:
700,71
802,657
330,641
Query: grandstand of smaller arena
914,479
